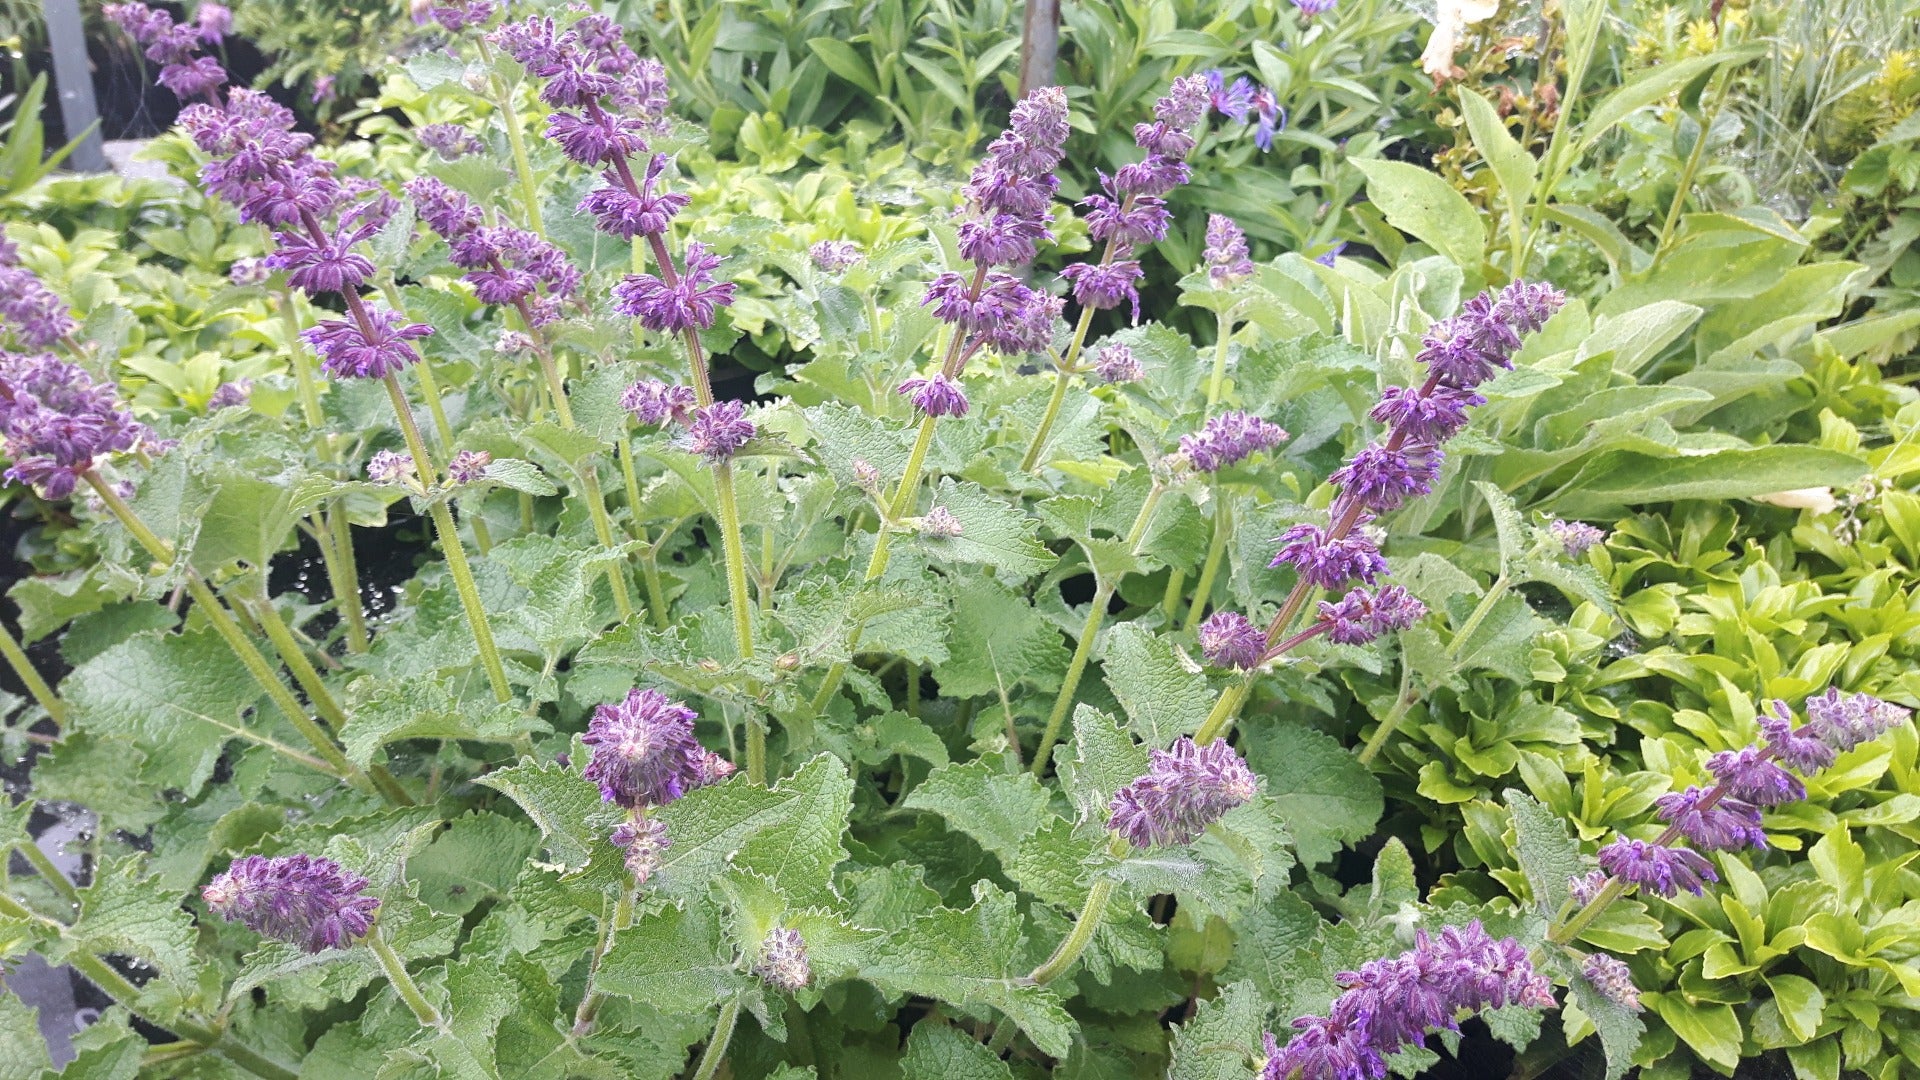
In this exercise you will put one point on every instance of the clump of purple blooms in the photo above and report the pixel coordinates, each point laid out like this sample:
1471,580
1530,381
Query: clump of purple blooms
1228,439
1225,255
450,141
303,900
1115,363
835,256
56,421
644,752
1460,353
390,467
1229,639
504,264
783,960
231,395
30,311
1130,210
1364,615
1612,979
1392,1003
468,466
1186,788
718,431
1245,100
1726,815
936,395
642,842
654,403
175,46
1575,537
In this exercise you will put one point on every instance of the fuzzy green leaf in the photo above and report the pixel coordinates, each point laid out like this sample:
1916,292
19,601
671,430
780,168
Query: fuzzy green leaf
992,532
998,809
1222,1038
1163,697
1323,794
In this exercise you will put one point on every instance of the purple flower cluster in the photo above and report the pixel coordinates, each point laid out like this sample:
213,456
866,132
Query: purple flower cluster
175,46
371,345
231,395
835,256
1130,210
1005,216
450,141
1612,979
1576,538
1726,815
1229,639
454,18
303,900
30,311
1115,363
936,395
676,303
55,420
642,842
1364,615
654,403
390,467
783,960
716,432
1228,439
1460,353
1392,1003
468,466
644,752
504,264
1246,100
1225,255
1185,789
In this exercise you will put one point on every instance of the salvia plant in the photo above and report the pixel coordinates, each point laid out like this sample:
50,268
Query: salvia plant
935,712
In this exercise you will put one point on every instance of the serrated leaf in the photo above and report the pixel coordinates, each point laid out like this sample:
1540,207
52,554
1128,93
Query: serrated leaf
707,826
177,696
973,957
1163,698
1619,1027
996,641
941,1052
479,856
558,800
992,532
1222,1039
997,809
1325,796
799,848
23,1052
1547,855
518,475
1506,523
382,711
672,960
126,912
1101,760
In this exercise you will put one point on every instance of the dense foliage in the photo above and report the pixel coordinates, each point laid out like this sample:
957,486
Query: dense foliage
775,555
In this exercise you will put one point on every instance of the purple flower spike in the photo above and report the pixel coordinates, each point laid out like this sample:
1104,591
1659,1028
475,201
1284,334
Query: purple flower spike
1001,240
1430,418
643,843
468,466
1229,639
654,403
231,395
389,467
1752,777
644,753
1106,285
1362,615
299,899
1612,979
1226,251
1144,220
1585,888
1576,537
449,213
1390,1004
1846,721
621,213
1185,789
29,310
1724,825
347,351
1115,363
835,256
783,960
1800,748
450,141
689,303
718,431
936,395
1660,870
1229,439
1326,562
55,421
1383,477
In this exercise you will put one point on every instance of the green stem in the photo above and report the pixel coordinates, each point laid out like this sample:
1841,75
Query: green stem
716,1051
1216,551
1223,712
305,387
1076,942
229,631
37,686
1067,366
588,1013
343,572
430,393
1218,383
516,140
1390,722
603,529
450,545
403,983
42,865
1083,649
649,566
1176,588
903,499
116,986
1688,170
1573,927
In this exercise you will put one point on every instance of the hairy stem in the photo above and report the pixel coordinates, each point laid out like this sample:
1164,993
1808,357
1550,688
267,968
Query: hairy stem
1041,433
1216,551
516,139
1218,382
403,983
43,866
588,1013
335,534
116,986
716,1051
37,686
450,545
1224,709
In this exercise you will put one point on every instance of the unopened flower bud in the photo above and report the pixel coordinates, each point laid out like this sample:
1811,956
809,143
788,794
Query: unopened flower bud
783,960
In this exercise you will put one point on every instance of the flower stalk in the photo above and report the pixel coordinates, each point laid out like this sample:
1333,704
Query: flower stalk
29,677
403,984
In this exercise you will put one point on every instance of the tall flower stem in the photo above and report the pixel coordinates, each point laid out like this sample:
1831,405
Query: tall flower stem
1217,384
449,534
1092,912
1083,649
1216,551
590,1003
1224,709
516,139
716,1051
337,558
649,566
1068,365
37,686
43,866
403,984
217,616
1407,696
